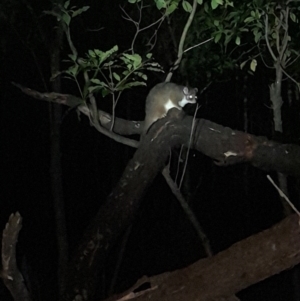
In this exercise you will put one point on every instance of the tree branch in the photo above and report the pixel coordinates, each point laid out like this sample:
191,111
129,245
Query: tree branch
182,41
224,145
242,265
10,273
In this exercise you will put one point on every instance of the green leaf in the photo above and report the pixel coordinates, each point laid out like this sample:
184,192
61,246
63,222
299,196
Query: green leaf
91,53
229,3
200,2
149,55
214,4
142,75
238,40
116,76
72,57
253,65
103,56
66,4
80,11
160,4
293,17
187,6
94,89
132,1
66,18
132,84
171,8
228,38
73,70
84,63
105,92
154,64
259,24
98,82
155,69
98,52
257,36
206,9
218,37
132,59
115,48
243,64
248,20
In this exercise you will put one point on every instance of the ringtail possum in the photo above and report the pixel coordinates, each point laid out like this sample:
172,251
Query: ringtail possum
163,97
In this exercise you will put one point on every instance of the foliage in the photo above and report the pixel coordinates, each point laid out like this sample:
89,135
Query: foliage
239,34
110,71
241,31
65,14
104,71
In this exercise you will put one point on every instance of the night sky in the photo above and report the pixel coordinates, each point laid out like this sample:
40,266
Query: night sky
231,203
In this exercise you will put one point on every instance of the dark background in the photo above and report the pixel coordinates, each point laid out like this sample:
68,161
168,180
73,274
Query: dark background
231,203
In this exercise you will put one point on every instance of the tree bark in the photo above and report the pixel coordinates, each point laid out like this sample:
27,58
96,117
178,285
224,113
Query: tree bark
225,274
55,116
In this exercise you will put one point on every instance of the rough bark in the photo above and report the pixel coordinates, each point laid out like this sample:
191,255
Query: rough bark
224,145
10,273
123,203
242,265
120,208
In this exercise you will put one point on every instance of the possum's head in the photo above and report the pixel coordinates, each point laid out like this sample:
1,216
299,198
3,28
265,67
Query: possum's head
188,96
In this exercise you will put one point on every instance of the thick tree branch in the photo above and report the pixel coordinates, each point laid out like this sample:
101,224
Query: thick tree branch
10,273
149,159
121,206
242,265
224,145
75,102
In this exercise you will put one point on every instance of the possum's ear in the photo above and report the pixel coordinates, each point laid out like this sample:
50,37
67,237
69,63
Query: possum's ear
185,90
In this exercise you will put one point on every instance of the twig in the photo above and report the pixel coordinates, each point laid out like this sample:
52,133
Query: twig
137,24
267,39
182,40
282,194
188,211
189,147
199,44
